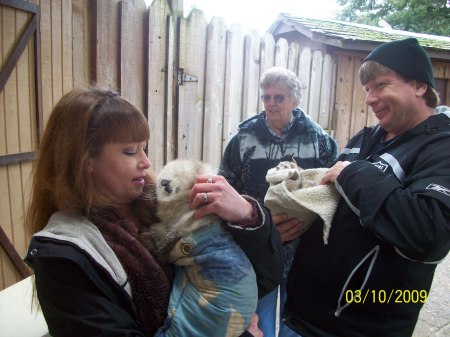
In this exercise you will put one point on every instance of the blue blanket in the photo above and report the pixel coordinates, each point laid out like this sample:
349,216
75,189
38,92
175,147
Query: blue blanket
214,291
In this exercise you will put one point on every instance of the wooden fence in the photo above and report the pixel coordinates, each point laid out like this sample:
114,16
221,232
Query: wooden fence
194,80
210,82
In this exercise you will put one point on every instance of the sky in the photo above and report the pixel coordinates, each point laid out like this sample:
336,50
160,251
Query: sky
260,14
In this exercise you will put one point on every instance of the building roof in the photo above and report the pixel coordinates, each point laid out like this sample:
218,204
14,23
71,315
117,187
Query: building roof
347,35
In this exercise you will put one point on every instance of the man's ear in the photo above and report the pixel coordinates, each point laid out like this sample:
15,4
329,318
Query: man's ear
421,88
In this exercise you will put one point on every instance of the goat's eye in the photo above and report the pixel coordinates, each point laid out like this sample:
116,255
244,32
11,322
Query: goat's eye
166,184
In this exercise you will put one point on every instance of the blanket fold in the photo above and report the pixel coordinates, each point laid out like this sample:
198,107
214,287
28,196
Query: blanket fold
296,192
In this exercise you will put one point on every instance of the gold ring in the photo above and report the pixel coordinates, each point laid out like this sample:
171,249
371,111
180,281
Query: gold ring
205,198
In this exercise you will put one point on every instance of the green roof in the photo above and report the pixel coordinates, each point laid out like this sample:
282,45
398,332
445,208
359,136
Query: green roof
341,32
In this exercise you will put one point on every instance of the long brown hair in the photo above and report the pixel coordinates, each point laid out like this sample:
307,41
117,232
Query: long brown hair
79,125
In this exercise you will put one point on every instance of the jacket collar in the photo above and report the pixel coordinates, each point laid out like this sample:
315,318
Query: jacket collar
80,232
435,123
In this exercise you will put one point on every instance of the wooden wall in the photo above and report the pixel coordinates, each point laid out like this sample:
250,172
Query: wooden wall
18,138
351,113
194,80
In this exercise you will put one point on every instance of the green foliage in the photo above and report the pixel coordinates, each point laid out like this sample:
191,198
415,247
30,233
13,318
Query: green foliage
419,16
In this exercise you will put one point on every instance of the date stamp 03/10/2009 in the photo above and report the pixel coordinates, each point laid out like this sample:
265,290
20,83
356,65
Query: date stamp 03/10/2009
383,296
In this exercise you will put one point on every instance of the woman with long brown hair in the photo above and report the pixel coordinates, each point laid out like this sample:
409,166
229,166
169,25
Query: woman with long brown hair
92,192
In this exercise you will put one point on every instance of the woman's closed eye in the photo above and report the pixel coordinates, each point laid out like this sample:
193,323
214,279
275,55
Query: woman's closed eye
132,150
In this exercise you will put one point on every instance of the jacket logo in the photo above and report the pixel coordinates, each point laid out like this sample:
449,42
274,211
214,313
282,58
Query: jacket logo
439,188
381,166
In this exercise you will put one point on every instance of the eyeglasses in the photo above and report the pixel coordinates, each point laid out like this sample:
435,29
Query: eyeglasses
276,98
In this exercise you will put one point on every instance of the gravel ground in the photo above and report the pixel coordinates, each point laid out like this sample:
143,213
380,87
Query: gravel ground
434,319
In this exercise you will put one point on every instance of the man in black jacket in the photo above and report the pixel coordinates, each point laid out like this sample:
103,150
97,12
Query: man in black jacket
392,225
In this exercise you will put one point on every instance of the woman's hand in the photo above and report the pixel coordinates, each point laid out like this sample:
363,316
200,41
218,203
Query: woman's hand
214,195
333,172
289,228
253,327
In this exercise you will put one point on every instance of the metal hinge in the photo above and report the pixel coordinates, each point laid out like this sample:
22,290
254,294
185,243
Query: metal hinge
182,77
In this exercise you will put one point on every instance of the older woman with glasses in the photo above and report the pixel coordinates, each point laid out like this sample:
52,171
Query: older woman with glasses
281,132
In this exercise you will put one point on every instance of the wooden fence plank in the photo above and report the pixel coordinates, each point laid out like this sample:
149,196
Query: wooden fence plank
16,201
359,113
326,93
233,83
281,53
333,109
9,111
172,93
25,77
439,69
8,216
447,71
3,58
157,81
344,98
106,56
7,276
56,50
252,60
304,74
214,91
176,7
81,44
193,32
442,71
26,115
293,57
66,46
34,99
4,196
267,53
46,58
13,255
447,94
26,170
132,66
11,115
2,44
315,86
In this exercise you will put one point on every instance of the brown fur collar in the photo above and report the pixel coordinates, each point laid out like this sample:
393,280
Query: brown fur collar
149,283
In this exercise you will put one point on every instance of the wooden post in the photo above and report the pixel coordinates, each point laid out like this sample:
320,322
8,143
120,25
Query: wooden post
13,255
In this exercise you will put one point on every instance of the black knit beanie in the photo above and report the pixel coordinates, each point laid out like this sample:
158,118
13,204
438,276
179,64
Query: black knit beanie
406,57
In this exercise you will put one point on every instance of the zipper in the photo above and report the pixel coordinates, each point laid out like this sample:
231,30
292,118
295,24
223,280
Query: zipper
371,255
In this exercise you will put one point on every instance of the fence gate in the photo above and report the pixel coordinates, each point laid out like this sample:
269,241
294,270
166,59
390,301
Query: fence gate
20,126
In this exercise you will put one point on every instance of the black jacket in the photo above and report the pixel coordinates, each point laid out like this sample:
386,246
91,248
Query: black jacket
98,305
391,228
73,267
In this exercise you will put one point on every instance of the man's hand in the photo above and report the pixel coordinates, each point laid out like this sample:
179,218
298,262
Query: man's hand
333,172
289,228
